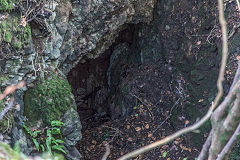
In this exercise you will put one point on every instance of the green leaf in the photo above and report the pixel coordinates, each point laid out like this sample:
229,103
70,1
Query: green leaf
36,143
35,133
185,158
56,124
48,144
59,148
49,140
49,133
28,131
56,130
17,147
59,141
164,154
42,147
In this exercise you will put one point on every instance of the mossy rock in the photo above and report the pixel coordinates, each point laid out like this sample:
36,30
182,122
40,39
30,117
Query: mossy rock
6,5
13,33
47,100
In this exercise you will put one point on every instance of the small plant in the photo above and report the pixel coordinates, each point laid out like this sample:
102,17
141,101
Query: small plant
164,155
8,37
51,142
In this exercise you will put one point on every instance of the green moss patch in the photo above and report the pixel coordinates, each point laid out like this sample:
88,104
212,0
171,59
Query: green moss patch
48,100
13,33
6,5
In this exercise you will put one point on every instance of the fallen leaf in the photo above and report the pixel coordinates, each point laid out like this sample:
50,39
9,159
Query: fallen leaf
185,148
138,129
147,126
94,142
149,135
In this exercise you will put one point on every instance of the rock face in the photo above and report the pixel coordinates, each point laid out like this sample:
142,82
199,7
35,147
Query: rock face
92,27
57,39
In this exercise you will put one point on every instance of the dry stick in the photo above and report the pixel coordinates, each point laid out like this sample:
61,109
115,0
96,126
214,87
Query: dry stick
214,104
107,152
169,116
230,143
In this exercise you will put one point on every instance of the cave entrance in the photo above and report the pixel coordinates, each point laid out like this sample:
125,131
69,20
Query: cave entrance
90,82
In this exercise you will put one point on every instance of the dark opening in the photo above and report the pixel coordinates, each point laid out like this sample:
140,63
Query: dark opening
90,83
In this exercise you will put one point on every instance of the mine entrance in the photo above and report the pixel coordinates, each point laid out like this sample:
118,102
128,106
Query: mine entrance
90,83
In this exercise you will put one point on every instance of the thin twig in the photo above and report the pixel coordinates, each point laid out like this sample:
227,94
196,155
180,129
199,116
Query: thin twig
143,104
170,114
